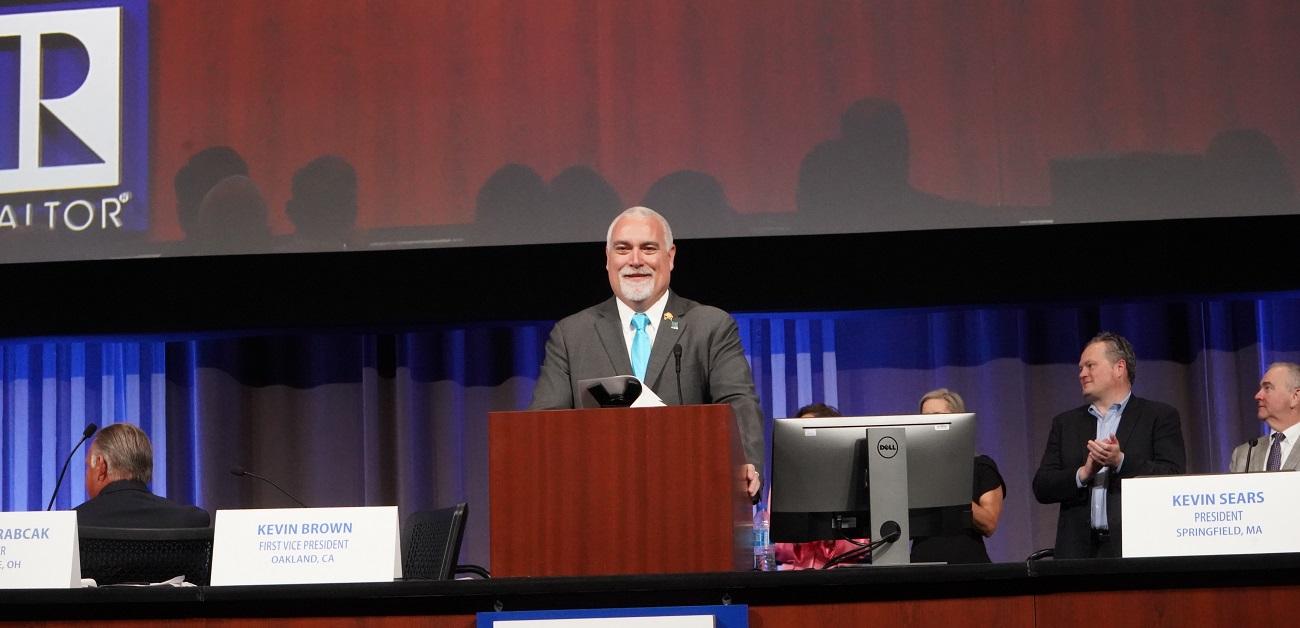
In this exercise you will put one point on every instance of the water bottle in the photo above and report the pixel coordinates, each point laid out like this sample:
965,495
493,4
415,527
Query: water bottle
764,553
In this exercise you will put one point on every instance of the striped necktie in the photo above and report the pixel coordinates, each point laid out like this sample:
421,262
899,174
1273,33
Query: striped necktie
1275,452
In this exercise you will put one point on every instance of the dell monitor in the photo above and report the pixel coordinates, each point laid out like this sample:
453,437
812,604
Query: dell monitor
847,477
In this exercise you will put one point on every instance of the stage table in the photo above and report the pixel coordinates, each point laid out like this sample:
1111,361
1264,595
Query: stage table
1220,590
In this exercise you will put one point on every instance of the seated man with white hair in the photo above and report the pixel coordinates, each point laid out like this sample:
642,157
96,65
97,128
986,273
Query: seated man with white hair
119,468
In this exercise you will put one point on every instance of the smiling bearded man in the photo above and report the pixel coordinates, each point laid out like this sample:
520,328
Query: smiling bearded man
636,332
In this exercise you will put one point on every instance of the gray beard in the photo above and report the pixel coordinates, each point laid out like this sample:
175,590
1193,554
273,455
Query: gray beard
633,292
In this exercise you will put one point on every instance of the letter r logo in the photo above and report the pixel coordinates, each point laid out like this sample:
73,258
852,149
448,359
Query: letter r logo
57,107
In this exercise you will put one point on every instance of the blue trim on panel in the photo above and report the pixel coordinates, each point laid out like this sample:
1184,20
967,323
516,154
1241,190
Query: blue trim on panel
731,616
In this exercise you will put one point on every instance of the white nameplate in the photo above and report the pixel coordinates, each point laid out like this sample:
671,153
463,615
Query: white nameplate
680,621
731,616
1198,515
306,546
38,550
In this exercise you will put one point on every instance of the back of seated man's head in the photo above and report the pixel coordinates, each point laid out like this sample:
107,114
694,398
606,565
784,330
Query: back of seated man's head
817,411
120,452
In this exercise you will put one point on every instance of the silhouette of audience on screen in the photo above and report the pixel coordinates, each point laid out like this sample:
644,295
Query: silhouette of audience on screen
694,202
232,219
860,180
579,195
1247,174
1241,173
323,207
204,170
511,207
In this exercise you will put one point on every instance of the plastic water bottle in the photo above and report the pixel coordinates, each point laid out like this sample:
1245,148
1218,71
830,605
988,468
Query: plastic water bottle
764,553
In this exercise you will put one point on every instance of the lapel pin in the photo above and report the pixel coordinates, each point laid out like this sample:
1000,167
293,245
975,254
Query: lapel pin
672,323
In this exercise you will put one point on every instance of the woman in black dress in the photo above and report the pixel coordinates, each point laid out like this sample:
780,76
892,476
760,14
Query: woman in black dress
989,491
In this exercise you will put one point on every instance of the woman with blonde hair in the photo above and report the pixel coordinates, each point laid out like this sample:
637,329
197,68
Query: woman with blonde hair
989,492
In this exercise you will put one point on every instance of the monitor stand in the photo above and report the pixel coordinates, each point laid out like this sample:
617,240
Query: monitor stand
887,486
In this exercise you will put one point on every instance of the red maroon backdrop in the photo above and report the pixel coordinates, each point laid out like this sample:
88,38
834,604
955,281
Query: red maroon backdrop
427,98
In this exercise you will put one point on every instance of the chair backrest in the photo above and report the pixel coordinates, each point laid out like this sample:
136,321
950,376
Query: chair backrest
431,543
118,555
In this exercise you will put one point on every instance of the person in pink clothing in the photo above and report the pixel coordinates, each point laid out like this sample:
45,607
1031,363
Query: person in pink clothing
815,554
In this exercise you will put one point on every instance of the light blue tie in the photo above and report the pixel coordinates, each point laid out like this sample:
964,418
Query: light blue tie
640,345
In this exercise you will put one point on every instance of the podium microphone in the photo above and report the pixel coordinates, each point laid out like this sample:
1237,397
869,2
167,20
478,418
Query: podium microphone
677,356
90,429
239,471
1250,449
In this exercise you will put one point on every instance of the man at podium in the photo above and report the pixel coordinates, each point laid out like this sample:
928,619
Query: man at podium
687,353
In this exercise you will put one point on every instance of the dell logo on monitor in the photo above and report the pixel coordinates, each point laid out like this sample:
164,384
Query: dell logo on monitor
887,446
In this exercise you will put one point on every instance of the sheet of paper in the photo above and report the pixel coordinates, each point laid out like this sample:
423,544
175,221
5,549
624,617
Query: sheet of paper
648,398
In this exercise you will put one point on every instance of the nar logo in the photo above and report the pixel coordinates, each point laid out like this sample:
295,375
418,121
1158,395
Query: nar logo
74,116
61,79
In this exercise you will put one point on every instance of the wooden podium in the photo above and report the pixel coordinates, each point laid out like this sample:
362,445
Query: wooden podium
617,491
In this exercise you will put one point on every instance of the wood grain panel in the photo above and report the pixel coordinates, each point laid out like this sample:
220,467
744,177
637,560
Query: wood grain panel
1003,612
586,492
1225,606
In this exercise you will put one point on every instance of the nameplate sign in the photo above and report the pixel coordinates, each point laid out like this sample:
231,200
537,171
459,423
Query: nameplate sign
730,616
38,550
1199,515
306,546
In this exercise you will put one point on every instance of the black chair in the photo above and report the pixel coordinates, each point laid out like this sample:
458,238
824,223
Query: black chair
431,543
140,555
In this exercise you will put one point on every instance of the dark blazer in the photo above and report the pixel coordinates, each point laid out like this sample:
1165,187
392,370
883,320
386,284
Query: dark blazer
714,370
1150,434
129,504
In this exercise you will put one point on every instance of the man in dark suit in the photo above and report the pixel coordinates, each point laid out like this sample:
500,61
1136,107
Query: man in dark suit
119,467
636,333
1092,448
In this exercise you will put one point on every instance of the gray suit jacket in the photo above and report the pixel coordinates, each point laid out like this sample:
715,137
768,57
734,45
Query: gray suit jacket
1259,457
714,370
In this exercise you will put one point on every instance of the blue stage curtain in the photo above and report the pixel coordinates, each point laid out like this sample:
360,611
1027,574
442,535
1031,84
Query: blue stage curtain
399,417
52,389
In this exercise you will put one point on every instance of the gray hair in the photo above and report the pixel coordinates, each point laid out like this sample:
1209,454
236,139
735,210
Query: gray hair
1293,371
954,400
1118,348
127,451
640,212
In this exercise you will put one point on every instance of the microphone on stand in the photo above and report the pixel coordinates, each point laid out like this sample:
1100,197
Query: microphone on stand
90,429
1250,449
239,471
